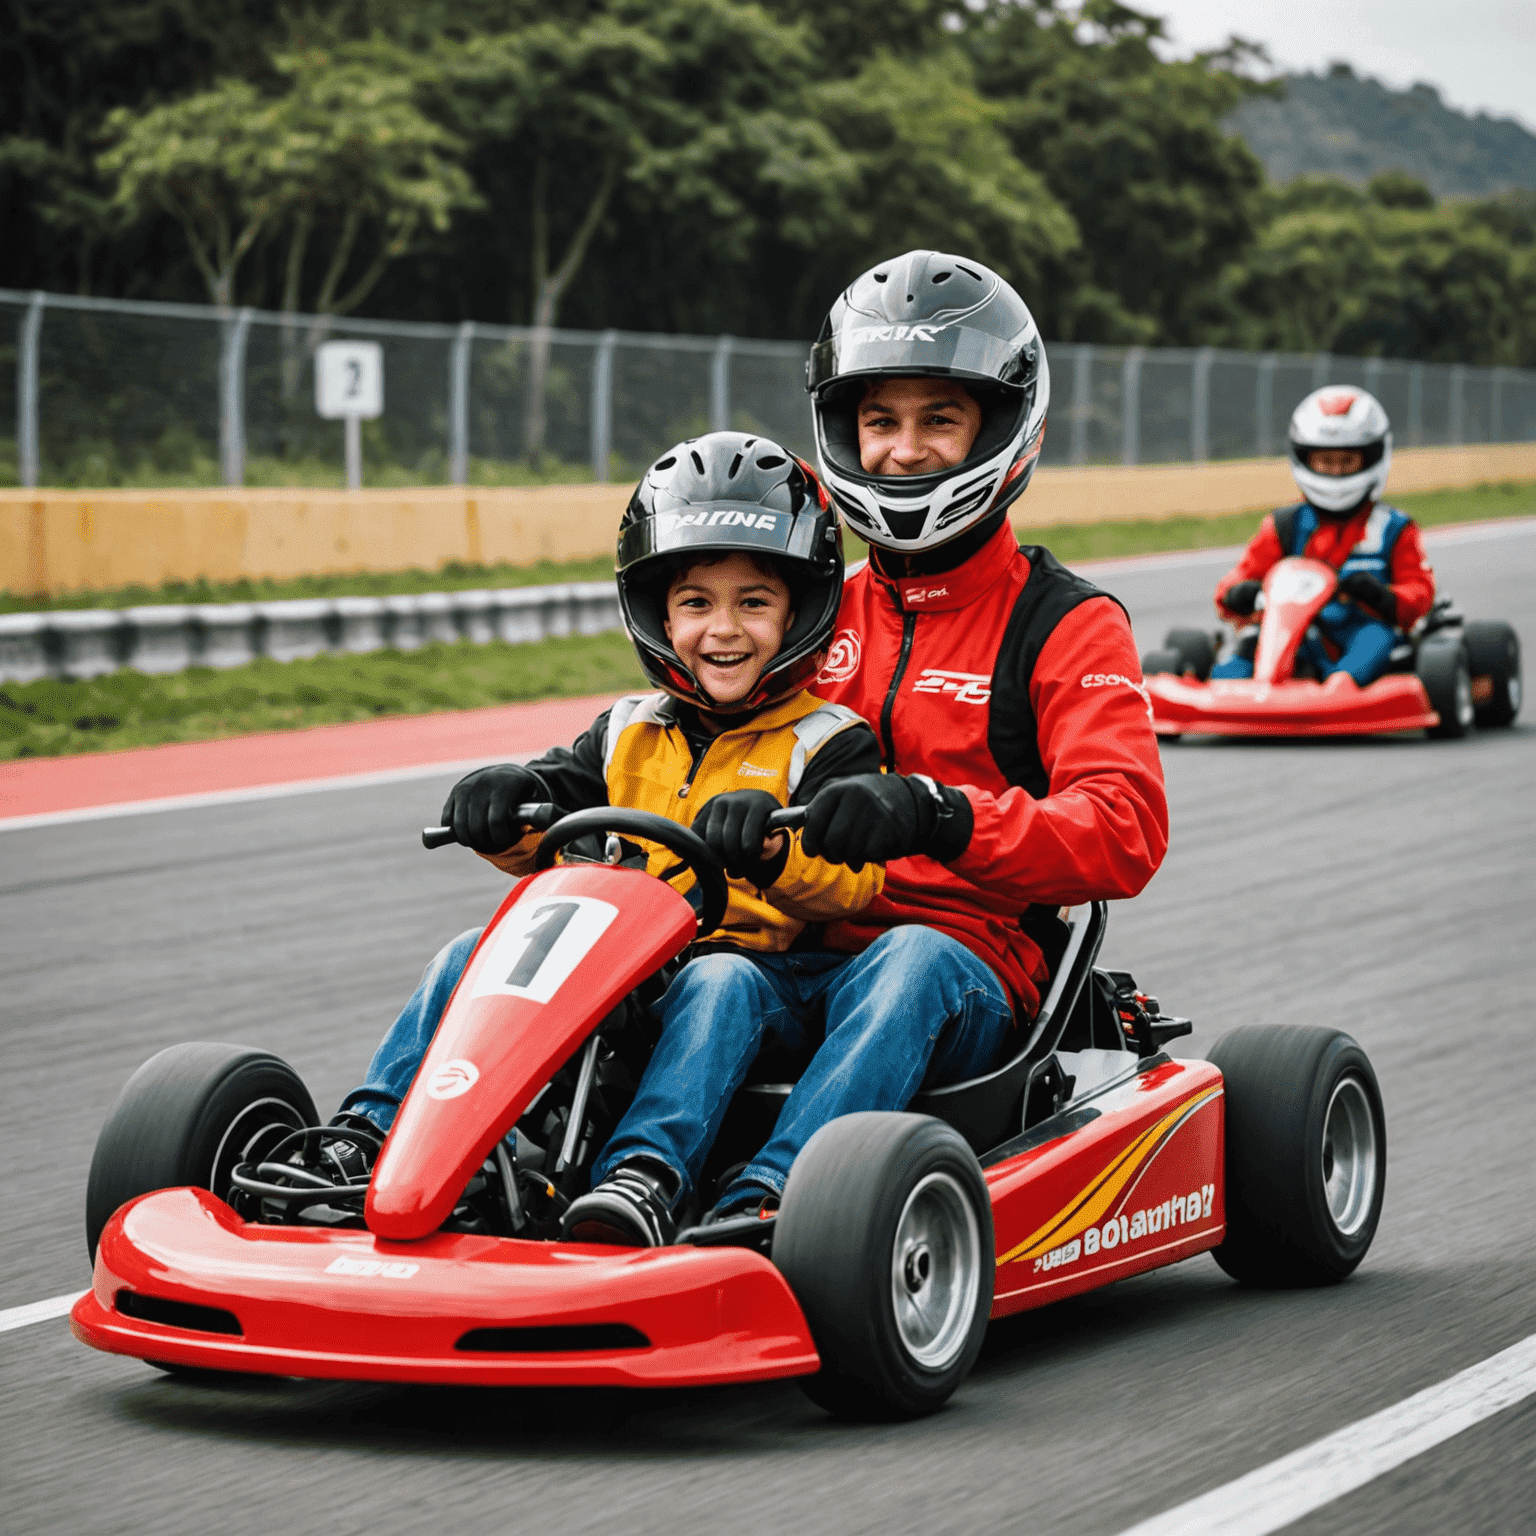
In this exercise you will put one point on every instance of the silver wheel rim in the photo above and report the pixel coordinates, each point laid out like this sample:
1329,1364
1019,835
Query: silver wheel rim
1349,1156
242,1133
1513,688
935,1271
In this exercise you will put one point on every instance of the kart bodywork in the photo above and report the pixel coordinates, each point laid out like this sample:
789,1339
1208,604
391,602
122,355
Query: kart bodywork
1102,1157
1274,701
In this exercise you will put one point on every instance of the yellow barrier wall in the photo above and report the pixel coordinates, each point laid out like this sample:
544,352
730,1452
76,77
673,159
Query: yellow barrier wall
70,541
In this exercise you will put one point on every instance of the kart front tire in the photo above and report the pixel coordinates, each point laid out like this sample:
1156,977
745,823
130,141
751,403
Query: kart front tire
1444,670
187,1117
1306,1155
1195,648
1165,660
885,1236
1493,654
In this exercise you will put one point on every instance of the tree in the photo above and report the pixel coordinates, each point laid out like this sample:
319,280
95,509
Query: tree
1339,270
204,161
64,65
688,111
933,168
342,149
1134,148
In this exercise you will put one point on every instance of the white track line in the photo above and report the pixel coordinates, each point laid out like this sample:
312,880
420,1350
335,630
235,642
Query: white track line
37,1311
255,792
1274,1496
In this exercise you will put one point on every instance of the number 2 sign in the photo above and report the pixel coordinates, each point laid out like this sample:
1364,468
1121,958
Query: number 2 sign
349,380
539,943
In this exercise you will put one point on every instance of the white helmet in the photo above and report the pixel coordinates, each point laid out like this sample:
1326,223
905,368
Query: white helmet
1341,416
927,314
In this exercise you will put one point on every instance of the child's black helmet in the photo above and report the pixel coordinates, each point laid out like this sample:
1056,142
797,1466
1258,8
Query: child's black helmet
724,494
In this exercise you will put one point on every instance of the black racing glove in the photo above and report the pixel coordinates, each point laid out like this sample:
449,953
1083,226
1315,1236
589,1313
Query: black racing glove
876,817
734,825
1372,593
1241,597
482,809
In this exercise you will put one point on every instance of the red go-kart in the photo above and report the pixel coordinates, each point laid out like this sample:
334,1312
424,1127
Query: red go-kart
1089,1155
1442,679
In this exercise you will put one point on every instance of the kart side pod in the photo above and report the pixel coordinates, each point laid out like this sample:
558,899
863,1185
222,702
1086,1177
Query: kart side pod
564,948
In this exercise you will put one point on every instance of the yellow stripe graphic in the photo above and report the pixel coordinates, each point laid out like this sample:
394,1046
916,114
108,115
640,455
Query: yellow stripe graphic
1089,1204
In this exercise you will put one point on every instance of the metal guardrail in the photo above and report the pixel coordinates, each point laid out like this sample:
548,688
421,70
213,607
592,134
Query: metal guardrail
110,392
172,637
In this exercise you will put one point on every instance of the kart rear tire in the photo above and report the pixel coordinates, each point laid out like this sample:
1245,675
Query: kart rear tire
1493,654
885,1236
186,1117
1447,677
1162,661
1195,647
1306,1141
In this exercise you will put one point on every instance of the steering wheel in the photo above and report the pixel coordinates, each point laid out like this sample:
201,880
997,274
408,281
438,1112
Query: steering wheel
677,839
691,849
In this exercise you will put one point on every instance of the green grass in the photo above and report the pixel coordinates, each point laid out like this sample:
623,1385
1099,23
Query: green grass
52,717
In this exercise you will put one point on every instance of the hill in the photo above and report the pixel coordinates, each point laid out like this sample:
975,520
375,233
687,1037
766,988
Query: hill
1344,124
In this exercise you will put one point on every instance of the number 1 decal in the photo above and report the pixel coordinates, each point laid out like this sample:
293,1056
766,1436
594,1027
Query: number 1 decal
538,944
552,920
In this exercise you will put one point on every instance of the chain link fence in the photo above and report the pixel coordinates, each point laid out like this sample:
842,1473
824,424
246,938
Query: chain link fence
112,393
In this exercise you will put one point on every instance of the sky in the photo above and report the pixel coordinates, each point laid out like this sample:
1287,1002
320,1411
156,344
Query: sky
1481,54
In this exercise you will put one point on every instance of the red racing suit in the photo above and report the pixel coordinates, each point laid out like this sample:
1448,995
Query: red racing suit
1410,577
1018,683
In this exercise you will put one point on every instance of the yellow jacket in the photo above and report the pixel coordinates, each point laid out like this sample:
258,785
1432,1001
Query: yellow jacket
649,753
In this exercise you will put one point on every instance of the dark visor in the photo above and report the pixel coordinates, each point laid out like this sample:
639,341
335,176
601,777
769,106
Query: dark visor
720,525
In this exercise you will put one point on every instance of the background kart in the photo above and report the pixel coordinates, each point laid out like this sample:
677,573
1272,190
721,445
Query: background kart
1088,1156
1445,677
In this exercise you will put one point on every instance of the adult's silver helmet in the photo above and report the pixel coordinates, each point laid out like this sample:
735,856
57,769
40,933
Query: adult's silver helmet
927,314
729,493
1341,416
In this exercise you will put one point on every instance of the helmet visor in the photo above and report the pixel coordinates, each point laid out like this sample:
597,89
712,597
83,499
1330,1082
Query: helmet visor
718,526
918,349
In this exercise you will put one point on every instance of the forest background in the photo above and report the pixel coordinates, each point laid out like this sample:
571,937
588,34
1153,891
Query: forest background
712,166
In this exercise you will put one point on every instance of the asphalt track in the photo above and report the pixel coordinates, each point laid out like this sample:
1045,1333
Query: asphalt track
1383,887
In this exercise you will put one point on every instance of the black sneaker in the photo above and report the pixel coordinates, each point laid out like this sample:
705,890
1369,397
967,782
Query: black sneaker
631,1208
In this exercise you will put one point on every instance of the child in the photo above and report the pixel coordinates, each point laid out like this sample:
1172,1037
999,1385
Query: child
730,575
1341,451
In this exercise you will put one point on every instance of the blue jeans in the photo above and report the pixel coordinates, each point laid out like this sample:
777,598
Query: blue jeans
915,1009
1364,643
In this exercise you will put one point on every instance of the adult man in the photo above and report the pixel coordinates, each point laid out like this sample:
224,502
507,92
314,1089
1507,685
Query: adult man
1022,769
1341,453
